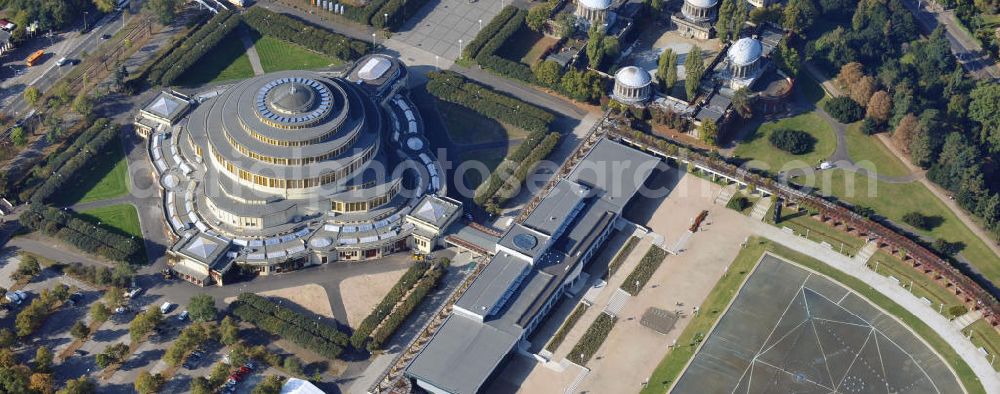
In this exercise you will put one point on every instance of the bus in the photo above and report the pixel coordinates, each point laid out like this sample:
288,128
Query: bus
34,57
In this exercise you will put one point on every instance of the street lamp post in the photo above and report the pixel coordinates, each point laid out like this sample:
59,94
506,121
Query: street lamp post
436,65
85,21
480,25
373,40
459,47
386,20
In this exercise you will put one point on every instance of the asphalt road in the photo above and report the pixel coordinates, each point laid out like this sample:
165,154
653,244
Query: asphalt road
975,60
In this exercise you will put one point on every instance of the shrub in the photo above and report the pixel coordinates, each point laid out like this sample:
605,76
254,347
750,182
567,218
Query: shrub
918,220
571,320
592,339
795,142
384,307
844,109
957,310
84,235
947,248
399,12
402,311
870,126
284,27
738,203
637,279
201,42
488,32
619,259
454,88
325,340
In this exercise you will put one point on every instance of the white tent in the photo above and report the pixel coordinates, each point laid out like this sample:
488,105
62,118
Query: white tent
299,386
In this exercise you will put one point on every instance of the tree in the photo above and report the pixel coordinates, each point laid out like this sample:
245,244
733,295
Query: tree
709,132
880,106
741,102
740,15
694,67
270,385
32,95
293,366
165,10
567,24
904,133
43,359
144,323
79,330
547,72
922,148
7,338
41,383
787,59
844,109
202,308
850,74
773,14
200,385
105,5
229,332
985,109
919,220
99,311
724,24
18,137
538,15
81,385
863,90
666,70
796,142
27,266
796,18
83,104
147,383
656,6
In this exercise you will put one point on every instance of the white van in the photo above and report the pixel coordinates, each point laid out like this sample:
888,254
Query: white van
165,307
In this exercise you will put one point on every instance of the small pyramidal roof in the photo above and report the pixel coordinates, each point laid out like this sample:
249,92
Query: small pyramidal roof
201,247
164,107
430,211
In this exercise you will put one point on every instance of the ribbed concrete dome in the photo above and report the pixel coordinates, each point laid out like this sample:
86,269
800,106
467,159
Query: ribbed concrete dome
596,4
633,76
745,51
702,3
292,98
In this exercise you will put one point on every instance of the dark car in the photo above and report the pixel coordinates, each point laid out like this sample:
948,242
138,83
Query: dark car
105,36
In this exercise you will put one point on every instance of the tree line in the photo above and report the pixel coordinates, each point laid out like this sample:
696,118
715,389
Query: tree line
288,324
384,307
454,88
180,48
197,45
312,37
84,235
403,310
79,156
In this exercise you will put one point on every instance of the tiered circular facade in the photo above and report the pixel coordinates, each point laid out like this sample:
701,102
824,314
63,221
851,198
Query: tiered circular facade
699,10
283,146
745,58
633,85
594,11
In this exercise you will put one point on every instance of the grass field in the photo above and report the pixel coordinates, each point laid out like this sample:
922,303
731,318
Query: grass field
871,154
227,61
986,337
122,217
670,368
466,127
887,265
757,147
108,178
277,55
820,232
895,200
489,157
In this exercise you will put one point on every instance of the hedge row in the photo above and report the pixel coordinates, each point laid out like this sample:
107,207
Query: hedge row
592,339
499,176
75,158
399,315
644,270
512,185
197,44
488,58
454,88
169,56
399,12
619,259
560,335
82,234
364,14
489,31
293,318
287,331
284,27
390,300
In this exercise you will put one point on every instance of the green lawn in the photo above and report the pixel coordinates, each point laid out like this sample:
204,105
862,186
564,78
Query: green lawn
817,231
467,127
895,200
491,158
923,286
670,368
871,154
985,336
278,55
810,89
107,178
227,61
122,217
757,147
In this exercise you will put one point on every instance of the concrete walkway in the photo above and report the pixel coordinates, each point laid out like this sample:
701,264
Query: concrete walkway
989,378
251,52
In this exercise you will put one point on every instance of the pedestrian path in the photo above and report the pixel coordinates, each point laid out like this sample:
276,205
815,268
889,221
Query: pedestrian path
251,52
760,208
866,253
726,194
965,320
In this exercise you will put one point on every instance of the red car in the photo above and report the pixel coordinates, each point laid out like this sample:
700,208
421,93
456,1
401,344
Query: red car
236,377
243,370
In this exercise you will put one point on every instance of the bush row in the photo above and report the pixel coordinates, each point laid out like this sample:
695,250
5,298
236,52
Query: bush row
399,315
364,14
399,12
199,43
489,31
169,56
284,27
592,339
513,184
619,259
80,158
390,300
644,270
454,88
83,140
287,331
571,320
294,318
489,59
84,235
499,176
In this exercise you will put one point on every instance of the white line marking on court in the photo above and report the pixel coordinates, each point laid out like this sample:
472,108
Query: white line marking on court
826,364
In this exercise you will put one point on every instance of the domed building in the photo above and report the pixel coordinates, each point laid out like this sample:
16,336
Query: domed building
633,85
594,11
745,61
696,18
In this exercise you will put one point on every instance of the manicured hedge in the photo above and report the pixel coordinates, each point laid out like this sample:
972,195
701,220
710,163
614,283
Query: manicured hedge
181,45
75,158
619,259
399,12
488,32
399,315
489,59
567,325
284,27
390,300
82,234
512,185
293,326
201,42
644,270
796,142
454,88
592,339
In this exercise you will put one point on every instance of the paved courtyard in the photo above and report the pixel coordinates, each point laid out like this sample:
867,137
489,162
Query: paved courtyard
439,25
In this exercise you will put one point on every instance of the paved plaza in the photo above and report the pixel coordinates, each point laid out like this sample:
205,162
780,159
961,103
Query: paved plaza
438,29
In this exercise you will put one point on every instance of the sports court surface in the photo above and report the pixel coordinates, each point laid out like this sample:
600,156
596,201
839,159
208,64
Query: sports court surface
792,331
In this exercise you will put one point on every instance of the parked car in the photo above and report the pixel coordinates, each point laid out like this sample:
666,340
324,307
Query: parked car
183,316
165,307
105,36
132,293
121,309
62,61
16,297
